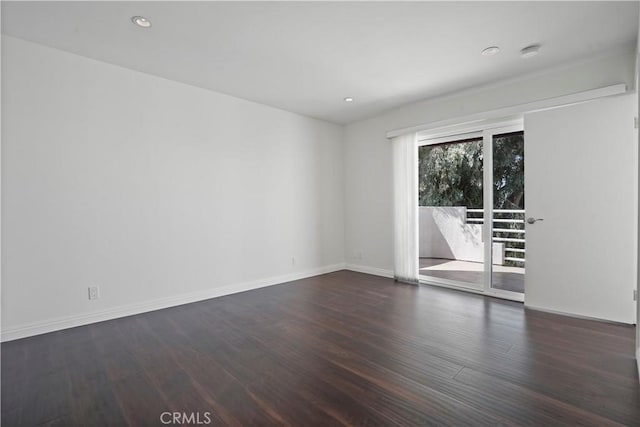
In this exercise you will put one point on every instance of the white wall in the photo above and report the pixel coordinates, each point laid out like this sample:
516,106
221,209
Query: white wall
368,220
637,79
156,191
445,233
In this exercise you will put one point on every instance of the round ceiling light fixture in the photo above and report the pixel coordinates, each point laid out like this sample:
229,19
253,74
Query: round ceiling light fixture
490,51
530,51
348,99
141,21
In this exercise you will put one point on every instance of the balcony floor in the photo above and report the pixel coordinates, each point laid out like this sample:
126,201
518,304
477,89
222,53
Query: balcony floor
506,278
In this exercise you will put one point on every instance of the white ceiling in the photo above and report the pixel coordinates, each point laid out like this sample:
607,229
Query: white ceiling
306,57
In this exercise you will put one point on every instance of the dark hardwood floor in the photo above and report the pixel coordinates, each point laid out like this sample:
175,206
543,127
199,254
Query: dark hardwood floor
339,349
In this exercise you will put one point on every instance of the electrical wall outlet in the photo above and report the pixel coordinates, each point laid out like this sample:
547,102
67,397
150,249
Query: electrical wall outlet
293,260
94,292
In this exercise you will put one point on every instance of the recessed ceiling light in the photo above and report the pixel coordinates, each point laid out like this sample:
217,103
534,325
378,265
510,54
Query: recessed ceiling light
141,21
490,51
530,51
348,99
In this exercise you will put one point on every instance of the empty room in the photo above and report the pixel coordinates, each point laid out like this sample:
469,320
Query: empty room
319,213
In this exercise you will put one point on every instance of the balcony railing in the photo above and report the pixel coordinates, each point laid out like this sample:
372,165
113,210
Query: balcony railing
508,228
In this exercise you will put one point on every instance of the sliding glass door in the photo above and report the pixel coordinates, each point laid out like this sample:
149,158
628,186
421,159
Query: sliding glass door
471,210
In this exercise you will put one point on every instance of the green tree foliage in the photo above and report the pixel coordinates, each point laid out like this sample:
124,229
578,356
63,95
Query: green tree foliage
508,171
451,174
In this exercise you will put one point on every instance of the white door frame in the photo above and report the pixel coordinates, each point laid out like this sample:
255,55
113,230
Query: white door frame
487,153
486,130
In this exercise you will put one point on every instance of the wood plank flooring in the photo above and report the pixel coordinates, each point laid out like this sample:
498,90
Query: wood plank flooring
340,349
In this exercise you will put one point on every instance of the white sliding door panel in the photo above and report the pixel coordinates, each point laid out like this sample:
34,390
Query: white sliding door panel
581,178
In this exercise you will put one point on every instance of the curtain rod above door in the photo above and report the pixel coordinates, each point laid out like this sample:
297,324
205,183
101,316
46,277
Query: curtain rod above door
529,107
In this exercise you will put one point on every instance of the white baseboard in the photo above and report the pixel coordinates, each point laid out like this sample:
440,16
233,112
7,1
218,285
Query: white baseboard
577,316
370,270
59,323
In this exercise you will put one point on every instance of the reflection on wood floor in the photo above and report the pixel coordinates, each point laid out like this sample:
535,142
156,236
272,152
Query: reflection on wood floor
504,277
339,349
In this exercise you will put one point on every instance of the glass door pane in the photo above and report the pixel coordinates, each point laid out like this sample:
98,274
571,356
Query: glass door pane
508,224
451,215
